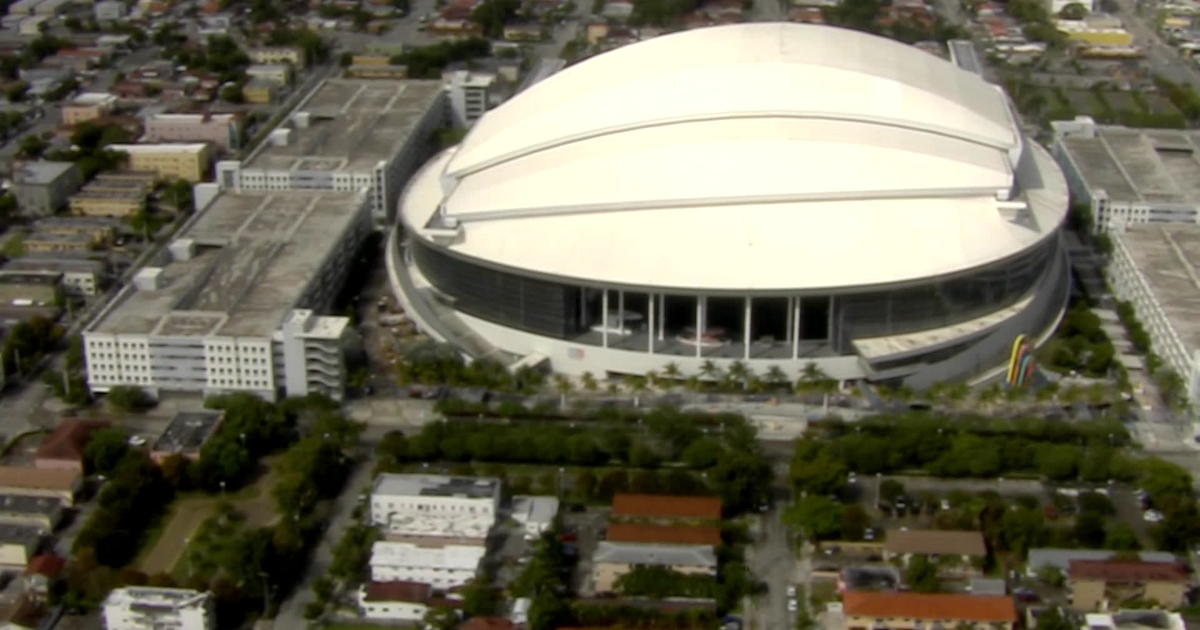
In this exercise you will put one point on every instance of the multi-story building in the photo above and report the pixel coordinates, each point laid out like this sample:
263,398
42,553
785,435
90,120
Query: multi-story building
1127,175
259,91
435,505
863,610
1157,269
153,608
467,95
278,54
93,202
1109,584
611,560
222,130
277,73
40,242
188,161
235,308
88,106
443,566
81,277
97,230
347,134
43,187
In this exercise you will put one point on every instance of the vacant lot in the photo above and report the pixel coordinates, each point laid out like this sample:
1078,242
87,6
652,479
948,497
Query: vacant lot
189,512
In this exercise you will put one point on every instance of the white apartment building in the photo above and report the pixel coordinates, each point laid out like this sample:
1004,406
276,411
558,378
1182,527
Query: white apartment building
150,608
443,567
81,277
1130,176
346,135
467,95
234,307
435,505
1157,269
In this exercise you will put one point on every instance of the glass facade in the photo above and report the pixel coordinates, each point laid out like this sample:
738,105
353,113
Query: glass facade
639,321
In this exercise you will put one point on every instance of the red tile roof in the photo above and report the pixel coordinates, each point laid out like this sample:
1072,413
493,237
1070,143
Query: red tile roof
1127,571
881,605
415,592
69,439
666,506
46,564
670,534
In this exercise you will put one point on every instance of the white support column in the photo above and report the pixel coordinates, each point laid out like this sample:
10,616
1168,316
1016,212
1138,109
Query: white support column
621,310
662,318
746,331
699,322
650,322
795,327
829,318
604,320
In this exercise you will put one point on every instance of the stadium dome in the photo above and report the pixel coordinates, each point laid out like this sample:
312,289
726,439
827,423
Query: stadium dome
778,194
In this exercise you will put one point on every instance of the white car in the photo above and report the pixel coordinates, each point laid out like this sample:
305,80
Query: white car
791,591
793,605
1152,516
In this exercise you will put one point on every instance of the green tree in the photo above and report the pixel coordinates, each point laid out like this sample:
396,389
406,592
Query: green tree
105,450
817,517
1121,537
129,398
921,575
703,453
1089,530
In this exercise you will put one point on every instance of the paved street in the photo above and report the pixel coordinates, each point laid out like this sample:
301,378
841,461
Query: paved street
773,561
291,612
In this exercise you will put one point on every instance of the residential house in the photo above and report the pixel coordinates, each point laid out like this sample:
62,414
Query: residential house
1107,584
63,449
662,506
965,547
88,106
868,610
41,482
612,560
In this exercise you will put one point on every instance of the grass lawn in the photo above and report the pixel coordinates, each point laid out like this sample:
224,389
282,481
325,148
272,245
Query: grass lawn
188,512
14,247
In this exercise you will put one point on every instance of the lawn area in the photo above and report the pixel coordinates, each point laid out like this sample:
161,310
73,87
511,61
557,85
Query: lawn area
14,247
189,512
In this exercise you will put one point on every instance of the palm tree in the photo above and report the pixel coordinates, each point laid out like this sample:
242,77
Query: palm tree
636,384
671,371
709,370
654,380
588,381
693,383
564,387
776,376
740,373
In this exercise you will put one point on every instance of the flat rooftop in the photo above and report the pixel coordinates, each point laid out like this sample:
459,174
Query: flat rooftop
436,486
353,124
1168,256
254,255
1152,165
187,432
22,504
